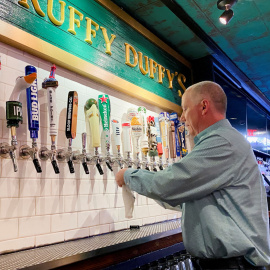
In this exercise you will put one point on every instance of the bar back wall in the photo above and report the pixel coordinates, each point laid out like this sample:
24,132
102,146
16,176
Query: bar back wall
40,209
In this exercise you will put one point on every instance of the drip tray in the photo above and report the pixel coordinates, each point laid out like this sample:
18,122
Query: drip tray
56,255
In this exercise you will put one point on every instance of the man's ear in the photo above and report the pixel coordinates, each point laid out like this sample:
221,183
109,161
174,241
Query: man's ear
205,106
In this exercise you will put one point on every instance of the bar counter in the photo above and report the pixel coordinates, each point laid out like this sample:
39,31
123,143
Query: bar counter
97,252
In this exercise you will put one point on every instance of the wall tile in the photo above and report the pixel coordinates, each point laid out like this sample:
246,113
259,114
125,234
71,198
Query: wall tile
17,207
108,216
16,244
34,225
9,229
9,187
99,229
49,205
88,218
64,222
149,220
75,234
118,226
46,239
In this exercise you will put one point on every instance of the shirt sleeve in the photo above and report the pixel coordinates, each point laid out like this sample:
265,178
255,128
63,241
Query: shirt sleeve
167,206
206,169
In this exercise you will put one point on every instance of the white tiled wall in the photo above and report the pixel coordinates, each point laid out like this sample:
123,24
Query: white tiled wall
39,209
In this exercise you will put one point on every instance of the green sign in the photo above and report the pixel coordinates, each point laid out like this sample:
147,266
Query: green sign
89,31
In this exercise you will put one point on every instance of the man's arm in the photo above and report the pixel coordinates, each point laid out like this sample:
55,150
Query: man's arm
206,169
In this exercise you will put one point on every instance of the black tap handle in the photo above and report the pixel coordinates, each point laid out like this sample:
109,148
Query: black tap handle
85,167
70,166
99,169
129,166
37,165
109,165
55,166
138,167
161,168
147,168
155,169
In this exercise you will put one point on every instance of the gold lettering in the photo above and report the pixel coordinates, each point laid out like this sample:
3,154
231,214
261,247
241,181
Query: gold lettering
171,77
50,12
161,70
153,69
35,4
181,80
90,31
72,19
108,42
146,70
135,56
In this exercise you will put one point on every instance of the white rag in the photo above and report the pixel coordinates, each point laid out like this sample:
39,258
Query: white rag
129,200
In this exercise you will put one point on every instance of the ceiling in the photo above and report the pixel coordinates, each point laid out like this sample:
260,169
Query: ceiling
193,29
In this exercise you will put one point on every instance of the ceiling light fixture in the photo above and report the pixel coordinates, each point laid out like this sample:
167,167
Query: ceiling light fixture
226,5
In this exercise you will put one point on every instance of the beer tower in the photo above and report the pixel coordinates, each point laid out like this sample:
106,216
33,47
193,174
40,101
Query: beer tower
33,121
164,129
144,139
92,114
159,145
152,140
14,116
70,131
174,118
105,113
117,139
50,84
136,133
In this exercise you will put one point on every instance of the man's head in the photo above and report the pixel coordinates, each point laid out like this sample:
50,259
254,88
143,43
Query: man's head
203,104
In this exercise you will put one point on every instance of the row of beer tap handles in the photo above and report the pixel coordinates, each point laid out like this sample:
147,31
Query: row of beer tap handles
149,136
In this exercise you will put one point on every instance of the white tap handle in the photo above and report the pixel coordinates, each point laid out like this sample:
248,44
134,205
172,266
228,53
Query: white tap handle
126,137
51,96
116,132
93,117
22,83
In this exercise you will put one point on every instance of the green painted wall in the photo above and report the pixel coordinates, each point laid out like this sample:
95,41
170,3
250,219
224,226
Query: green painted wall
42,27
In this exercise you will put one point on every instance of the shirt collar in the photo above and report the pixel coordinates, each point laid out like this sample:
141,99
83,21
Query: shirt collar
220,123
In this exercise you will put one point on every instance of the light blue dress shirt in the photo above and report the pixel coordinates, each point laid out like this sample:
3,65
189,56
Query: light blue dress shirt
223,199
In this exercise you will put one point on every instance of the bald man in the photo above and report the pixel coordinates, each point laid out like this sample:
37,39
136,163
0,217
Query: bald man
218,187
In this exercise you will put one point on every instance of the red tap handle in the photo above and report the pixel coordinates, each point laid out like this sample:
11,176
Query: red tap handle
52,73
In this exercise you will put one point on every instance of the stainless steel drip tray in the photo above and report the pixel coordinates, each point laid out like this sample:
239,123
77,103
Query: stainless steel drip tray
52,256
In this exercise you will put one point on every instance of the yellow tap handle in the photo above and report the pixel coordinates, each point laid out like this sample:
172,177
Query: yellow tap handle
93,117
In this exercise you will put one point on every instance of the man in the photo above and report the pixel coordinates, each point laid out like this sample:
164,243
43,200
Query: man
218,184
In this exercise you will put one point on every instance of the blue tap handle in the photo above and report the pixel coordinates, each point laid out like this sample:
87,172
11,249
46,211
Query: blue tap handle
174,118
32,104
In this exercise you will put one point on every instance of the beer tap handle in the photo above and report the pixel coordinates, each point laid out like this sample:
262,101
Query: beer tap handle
14,160
84,163
163,123
51,84
33,116
71,124
92,114
70,162
14,112
55,166
105,113
53,155
37,165
109,165
99,168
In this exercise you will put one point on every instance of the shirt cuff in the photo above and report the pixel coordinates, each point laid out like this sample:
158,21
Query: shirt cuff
127,176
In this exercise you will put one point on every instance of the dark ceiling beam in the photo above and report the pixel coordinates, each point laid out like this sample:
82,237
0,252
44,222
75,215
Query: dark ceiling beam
219,54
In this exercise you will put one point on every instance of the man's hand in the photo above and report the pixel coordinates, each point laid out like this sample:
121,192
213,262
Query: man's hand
119,178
